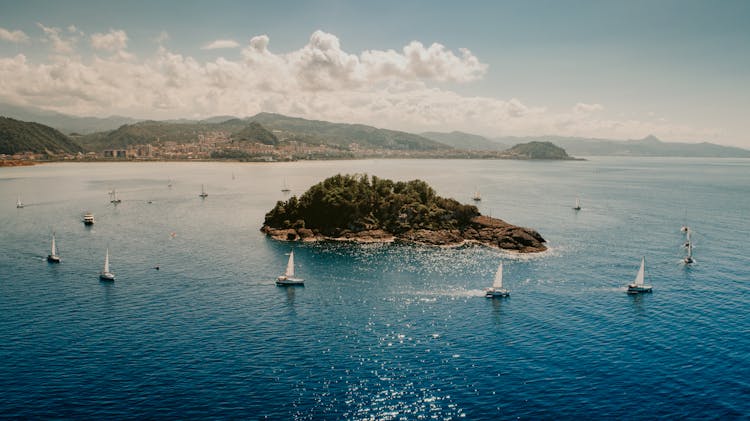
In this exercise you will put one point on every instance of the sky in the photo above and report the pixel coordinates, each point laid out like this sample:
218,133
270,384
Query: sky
677,69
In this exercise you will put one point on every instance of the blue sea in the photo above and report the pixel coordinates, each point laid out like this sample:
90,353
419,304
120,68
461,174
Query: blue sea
379,331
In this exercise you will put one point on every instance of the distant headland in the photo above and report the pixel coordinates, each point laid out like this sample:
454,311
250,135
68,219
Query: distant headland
371,209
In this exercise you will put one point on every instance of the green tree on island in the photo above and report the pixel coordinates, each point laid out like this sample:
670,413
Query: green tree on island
358,202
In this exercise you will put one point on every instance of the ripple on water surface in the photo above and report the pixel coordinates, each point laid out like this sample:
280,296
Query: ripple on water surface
379,331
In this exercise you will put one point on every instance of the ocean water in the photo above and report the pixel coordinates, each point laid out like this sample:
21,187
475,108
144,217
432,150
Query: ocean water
379,331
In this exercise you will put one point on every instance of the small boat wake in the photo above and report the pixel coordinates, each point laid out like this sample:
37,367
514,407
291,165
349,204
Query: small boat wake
453,293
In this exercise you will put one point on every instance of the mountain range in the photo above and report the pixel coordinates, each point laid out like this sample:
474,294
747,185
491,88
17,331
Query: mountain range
93,133
65,123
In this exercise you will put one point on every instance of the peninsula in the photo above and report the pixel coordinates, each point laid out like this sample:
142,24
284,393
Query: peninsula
371,209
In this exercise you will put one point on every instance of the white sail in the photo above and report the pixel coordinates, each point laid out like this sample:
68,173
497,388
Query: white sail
578,203
54,249
641,273
106,262
498,283
290,266
18,202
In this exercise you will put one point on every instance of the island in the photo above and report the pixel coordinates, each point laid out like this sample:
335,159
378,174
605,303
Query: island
371,209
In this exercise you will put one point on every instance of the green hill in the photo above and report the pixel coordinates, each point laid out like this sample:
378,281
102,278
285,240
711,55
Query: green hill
537,150
157,132
254,132
263,127
20,136
466,141
343,135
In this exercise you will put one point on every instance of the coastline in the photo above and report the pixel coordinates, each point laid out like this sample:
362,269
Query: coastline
484,230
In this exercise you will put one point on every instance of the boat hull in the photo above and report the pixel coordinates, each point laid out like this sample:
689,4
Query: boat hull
500,293
53,259
635,289
107,277
88,219
283,281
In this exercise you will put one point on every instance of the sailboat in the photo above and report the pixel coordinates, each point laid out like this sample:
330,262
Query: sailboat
169,183
53,257
497,289
638,286
578,204
19,204
288,279
285,188
477,196
113,199
685,227
203,194
105,274
689,246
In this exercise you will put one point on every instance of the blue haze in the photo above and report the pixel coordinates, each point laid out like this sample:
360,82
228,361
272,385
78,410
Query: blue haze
379,331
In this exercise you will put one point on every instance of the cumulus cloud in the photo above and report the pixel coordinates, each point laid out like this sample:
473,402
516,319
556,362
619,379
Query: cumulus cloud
16,36
60,43
407,88
114,40
583,108
221,44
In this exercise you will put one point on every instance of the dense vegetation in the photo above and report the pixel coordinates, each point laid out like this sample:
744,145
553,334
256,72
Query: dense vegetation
358,202
254,132
342,135
259,128
20,136
157,132
538,150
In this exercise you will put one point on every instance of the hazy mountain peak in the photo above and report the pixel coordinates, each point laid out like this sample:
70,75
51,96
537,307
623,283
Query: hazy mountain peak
650,139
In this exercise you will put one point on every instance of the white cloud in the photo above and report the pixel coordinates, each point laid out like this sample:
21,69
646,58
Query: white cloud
60,44
583,108
221,44
16,36
407,89
114,40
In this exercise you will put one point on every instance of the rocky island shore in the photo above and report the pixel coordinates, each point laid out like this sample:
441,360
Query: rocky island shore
363,209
